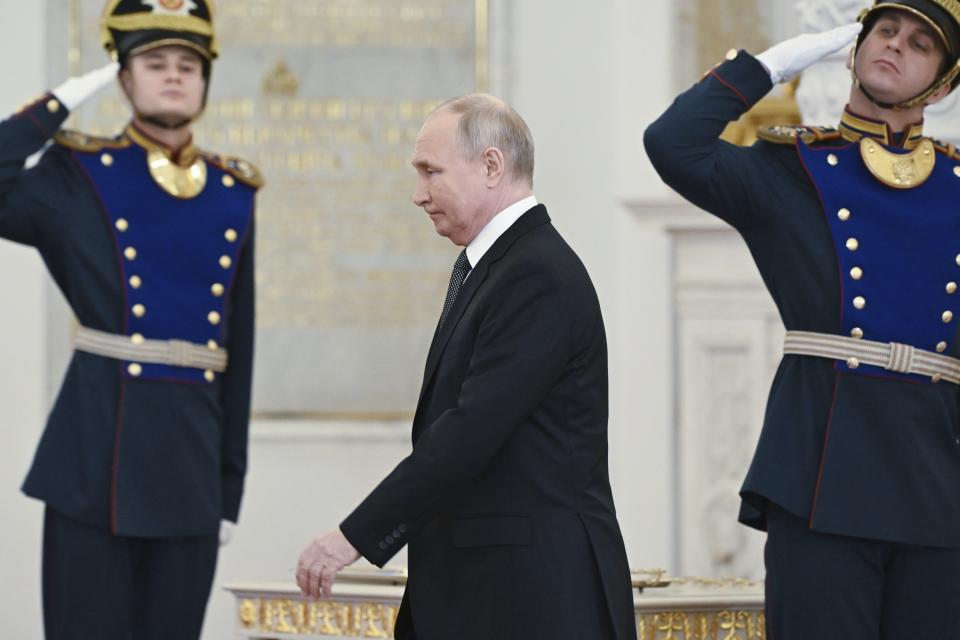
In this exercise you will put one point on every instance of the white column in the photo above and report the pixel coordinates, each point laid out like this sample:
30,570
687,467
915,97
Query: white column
22,354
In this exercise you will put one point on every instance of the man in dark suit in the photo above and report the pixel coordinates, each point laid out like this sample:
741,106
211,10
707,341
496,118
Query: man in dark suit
505,501
856,477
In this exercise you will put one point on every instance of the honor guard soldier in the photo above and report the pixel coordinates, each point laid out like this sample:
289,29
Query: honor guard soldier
856,233
151,241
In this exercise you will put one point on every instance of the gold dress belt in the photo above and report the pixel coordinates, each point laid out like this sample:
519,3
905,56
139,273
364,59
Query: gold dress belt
892,356
175,353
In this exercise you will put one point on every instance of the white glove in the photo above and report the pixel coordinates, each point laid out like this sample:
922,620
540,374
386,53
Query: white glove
76,91
785,60
226,532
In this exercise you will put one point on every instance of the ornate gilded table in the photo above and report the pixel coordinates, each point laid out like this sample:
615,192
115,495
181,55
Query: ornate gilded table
365,603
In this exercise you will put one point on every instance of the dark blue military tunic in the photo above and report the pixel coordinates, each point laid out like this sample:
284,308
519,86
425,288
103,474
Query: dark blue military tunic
146,450
856,450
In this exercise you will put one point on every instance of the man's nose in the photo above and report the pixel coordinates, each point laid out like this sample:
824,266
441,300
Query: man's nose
420,195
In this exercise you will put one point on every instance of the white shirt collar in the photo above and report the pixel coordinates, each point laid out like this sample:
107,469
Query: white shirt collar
496,228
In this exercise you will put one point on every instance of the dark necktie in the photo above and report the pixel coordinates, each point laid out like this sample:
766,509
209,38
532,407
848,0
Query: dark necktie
460,270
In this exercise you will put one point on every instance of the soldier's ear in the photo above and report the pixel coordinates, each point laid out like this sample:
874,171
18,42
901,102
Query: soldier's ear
939,95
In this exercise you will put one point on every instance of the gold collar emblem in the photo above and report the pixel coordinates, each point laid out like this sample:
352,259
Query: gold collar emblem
900,171
184,179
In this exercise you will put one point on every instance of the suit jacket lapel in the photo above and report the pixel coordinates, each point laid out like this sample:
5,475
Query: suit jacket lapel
533,218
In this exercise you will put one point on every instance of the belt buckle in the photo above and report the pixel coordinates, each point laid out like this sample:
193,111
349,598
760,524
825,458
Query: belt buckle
901,358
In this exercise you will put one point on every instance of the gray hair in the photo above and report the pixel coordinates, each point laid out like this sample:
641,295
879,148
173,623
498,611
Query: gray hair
486,121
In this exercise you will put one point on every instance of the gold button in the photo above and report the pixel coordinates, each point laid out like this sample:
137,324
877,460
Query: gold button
843,214
209,376
106,159
136,282
225,262
130,253
947,317
213,317
951,288
853,244
217,289
231,235
853,363
212,345
958,260
137,338
936,378
139,310
956,171
832,160
53,105
941,347
135,369
856,333
228,181
859,302
856,273
732,54
122,225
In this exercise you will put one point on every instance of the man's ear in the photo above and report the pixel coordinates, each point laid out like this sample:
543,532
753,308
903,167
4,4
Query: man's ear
494,165
126,81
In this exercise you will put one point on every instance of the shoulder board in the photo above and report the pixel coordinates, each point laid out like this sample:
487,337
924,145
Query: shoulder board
947,148
788,134
82,142
245,172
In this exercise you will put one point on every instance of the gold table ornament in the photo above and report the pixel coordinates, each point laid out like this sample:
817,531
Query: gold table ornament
365,603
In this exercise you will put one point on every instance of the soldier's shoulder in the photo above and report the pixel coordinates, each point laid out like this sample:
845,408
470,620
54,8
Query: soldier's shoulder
789,133
242,170
949,149
78,141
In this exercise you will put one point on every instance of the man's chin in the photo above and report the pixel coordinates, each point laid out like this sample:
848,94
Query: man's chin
169,119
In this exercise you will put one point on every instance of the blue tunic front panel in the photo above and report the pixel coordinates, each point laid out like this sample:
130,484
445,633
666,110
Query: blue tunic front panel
898,252
178,255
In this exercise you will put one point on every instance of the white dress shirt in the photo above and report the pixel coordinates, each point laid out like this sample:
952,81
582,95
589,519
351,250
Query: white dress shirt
496,228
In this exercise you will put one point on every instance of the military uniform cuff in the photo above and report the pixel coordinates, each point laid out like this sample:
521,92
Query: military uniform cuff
46,113
744,75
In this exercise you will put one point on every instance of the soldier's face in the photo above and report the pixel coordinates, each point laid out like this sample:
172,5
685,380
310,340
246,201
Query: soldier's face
165,83
451,187
900,57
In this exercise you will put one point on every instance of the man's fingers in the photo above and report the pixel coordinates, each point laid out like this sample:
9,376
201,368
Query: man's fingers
315,575
328,575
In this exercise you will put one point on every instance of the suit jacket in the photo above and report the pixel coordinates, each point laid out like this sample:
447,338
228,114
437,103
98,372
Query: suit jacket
856,450
505,501
157,451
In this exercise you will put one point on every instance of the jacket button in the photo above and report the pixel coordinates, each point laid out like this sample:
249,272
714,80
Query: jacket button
396,533
383,545
402,528
389,539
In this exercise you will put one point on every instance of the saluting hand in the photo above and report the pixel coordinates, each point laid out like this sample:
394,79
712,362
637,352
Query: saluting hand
320,562
785,60
76,91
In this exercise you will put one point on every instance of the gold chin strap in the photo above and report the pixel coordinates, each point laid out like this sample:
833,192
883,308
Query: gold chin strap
180,182
899,170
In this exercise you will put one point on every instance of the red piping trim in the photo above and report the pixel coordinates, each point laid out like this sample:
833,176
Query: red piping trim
731,87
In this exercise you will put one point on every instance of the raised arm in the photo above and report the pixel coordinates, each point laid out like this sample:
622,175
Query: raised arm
684,143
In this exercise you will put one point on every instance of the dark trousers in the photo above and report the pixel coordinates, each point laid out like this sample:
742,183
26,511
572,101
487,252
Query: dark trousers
97,585
826,586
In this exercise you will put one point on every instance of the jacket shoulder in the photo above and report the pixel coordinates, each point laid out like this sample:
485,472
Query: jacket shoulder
77,141
947,148
243,170
788,134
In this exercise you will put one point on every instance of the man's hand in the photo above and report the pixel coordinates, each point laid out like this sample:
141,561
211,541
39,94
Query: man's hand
320,562
76,91
785,60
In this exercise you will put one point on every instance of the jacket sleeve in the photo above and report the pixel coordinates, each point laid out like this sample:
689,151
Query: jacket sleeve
21,190
520,352
685,148
236,384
